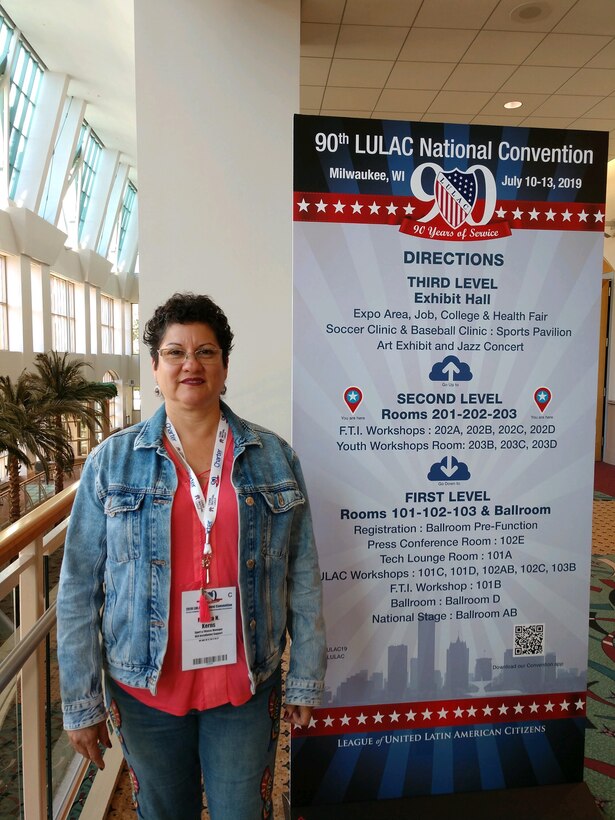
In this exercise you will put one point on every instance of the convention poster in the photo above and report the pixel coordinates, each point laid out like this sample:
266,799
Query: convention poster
446,296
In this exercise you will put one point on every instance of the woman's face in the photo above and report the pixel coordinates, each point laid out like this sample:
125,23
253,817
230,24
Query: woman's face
190,384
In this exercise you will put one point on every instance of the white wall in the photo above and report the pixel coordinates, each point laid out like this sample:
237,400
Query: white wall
217,84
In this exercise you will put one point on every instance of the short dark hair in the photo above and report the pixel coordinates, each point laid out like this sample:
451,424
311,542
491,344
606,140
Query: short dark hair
184,309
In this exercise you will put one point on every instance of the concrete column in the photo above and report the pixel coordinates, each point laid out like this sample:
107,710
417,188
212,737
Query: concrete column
217,84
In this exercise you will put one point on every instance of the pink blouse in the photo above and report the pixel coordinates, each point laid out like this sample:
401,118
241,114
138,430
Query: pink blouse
180,691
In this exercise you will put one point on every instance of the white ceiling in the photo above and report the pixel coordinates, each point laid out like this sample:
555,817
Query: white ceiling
92,42
440,60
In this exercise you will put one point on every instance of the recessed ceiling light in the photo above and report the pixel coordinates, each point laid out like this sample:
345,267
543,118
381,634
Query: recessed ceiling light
513,104
531,12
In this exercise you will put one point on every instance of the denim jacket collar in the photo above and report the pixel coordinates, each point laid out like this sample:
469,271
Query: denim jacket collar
152,432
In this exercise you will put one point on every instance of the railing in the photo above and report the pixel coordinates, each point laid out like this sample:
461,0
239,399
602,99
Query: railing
33,491
44,774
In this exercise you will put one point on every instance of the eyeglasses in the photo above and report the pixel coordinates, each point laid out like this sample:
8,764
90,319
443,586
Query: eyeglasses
177,355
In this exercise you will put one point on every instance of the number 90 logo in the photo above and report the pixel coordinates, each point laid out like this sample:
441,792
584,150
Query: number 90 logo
458,196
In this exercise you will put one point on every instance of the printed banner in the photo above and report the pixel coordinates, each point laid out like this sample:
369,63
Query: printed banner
446,297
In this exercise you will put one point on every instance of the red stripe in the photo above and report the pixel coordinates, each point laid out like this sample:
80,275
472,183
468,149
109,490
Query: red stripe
391,210
444,713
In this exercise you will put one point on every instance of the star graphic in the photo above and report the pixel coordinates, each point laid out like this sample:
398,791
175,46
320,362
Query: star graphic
328,721
442,713
566,214
517,214
339,207
471,711
542,396
321,206
426,714
392,209
394,716
353,396
533,707
378,717
551,214
409,209
549,706
533,213
580,704
410,715
500,213
356,208
345,720
312,723
599,216
564,706
583,215
373,208
503,709
361,718
303,205
458,712
487,710
518,709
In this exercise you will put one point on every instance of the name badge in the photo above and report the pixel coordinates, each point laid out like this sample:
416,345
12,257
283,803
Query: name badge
213,643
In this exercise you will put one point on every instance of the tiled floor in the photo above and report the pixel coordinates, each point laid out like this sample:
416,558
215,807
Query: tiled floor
603,528
603,543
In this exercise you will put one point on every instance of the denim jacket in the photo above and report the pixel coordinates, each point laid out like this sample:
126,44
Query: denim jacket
116,575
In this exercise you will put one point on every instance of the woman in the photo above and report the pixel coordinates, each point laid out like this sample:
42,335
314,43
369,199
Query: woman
188,554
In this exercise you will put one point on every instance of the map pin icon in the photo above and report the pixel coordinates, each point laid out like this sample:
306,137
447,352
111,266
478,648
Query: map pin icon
542,397
353,397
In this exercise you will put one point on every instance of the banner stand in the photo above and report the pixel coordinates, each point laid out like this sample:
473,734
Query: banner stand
571,800
446,300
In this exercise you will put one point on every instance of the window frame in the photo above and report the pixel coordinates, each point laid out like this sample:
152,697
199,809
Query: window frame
24,86
4,306
107,324
63,323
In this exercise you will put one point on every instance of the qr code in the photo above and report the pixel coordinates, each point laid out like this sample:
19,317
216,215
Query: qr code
529,639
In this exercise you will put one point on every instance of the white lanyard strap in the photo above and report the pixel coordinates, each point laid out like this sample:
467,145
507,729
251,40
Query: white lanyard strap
206,507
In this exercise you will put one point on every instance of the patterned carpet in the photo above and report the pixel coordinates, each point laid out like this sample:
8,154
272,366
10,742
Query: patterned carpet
600,734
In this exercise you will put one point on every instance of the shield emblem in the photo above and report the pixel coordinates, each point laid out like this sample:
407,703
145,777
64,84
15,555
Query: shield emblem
455,193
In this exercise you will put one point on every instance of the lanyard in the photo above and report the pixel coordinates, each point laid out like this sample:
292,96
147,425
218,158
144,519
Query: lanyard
206,507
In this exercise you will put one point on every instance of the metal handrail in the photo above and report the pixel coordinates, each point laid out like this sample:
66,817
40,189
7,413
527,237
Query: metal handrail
24,672
23,546
16,536
16,658
37,476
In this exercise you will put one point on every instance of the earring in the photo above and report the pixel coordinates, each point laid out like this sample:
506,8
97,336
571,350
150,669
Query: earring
223,391
157,392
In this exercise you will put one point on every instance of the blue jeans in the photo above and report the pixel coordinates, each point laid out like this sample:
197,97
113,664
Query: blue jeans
233,746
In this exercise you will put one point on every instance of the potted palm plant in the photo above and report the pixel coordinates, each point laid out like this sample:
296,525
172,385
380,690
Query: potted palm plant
69,396
28,432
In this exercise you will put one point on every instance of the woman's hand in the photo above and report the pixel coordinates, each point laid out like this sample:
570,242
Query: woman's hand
297,715
86,742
